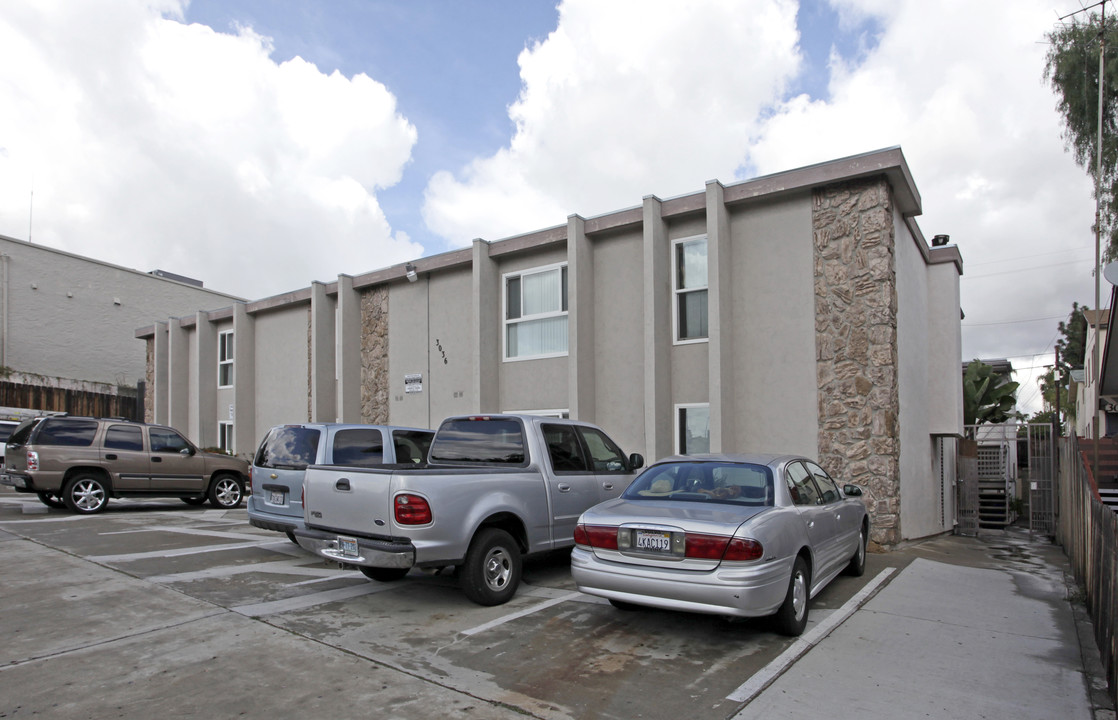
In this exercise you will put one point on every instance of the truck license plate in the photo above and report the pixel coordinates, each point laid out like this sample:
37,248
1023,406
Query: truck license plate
348,546
275,497
660,542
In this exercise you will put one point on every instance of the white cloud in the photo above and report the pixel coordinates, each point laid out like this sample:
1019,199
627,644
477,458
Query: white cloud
171,146
613,109
623,99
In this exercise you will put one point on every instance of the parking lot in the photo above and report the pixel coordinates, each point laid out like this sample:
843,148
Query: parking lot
155,607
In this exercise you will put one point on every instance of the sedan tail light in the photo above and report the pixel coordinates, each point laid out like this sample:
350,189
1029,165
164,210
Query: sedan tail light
412,510
599,536
698,546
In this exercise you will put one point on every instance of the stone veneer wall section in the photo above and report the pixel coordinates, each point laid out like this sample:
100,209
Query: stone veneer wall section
856,345
149,382
374,356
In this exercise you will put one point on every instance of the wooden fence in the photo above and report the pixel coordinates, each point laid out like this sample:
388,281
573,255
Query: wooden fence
125,402
1087,529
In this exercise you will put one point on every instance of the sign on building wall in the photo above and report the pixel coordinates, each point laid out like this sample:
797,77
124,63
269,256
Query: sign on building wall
413,383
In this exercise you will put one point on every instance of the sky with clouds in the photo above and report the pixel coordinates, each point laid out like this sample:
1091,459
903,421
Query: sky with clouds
258,145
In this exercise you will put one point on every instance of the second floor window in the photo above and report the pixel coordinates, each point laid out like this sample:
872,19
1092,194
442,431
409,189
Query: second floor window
225,359
689,265
536,313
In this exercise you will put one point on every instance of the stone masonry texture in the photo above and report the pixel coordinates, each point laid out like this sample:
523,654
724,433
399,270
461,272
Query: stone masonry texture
856,345
374,356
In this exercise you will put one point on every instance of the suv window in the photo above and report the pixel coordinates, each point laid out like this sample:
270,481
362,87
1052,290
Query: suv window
482,442
69,432
358,446
288,447
23,432
167,441
124,437
6,430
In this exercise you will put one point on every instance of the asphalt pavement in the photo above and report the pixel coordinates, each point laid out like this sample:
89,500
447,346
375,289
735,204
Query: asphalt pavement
953,627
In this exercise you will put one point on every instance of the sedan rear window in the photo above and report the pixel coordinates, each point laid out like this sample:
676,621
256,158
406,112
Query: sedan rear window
480,442
723,482
288,447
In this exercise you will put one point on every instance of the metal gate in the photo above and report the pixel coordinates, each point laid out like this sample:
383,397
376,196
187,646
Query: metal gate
1004,468
1040,477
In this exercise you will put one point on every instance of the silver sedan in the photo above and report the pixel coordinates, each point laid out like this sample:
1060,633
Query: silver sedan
739,535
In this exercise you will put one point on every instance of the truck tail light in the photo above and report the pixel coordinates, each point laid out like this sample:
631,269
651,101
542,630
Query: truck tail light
32,460
599,536
412,510
250,480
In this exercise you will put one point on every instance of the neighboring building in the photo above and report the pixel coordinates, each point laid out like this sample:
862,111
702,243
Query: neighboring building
67,327
1089,411
800,312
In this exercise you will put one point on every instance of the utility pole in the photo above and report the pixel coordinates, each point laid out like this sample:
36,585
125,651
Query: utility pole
1095,370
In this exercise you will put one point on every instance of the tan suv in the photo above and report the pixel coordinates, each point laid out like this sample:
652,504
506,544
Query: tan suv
80,462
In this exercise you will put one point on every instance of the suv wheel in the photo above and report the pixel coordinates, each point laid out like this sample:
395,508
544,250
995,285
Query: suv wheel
50,499
86,494
226,492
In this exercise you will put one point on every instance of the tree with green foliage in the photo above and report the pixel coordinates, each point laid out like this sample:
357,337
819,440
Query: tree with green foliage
1072,68
988,397
1072,349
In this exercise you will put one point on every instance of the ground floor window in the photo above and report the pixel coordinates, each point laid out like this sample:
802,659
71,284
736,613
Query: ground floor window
225,436
692,429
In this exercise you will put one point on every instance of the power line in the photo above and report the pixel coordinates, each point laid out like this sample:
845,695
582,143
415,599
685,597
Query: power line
1014,322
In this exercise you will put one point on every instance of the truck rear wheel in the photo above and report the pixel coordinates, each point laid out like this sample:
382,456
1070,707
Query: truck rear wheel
491,572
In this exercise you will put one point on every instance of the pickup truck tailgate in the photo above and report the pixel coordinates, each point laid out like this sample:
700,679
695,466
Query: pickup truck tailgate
354,500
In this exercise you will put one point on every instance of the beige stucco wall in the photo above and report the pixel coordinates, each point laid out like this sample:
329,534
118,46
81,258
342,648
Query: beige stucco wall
62,318
774,333
619,338
281,371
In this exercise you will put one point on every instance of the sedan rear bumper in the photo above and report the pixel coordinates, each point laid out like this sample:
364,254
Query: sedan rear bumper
370,553
739,591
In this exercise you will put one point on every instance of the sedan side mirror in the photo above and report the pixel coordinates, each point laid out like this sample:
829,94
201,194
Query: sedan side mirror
636,461
852,491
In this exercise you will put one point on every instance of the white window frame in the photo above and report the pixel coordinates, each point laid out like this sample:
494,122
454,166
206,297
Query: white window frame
225,436
677,291
225,354
505,322
677,424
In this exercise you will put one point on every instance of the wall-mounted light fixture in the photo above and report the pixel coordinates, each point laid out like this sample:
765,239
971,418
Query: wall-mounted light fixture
412,277
940,240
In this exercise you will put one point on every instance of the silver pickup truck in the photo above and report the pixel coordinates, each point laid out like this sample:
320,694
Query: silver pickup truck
494,488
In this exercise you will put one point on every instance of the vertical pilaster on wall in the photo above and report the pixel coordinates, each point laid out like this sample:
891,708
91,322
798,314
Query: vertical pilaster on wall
580,316
657,331
720,320
488,326
374,355
323,388
244,380
856,345
149,379
203,429
160,396
349,351
178,367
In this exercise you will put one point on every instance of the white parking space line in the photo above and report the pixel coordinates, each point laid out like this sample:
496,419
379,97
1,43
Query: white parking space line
306,601
177,552
279,567
189,531
763,678
522,613
61,518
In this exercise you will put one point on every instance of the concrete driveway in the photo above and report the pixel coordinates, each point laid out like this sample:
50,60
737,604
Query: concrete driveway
154,608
